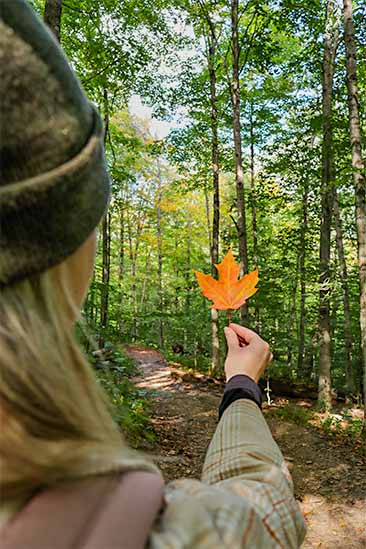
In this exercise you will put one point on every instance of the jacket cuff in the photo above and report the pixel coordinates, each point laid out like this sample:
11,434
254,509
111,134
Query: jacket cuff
240,386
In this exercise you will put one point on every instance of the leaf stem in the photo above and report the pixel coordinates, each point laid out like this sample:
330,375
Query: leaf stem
228,317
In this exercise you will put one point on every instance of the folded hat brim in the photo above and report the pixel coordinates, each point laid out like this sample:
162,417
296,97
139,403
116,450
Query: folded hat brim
45,219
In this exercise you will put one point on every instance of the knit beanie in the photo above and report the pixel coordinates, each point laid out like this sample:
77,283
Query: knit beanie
54,187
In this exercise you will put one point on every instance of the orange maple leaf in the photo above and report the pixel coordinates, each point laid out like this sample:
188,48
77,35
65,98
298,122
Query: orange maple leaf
228,292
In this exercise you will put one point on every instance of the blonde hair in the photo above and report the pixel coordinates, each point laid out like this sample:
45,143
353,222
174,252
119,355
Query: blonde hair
55,420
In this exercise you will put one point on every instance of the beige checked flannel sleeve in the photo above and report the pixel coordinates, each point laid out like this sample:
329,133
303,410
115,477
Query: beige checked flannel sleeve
245,498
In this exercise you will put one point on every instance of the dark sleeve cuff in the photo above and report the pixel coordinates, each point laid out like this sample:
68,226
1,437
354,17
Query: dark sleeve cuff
240,386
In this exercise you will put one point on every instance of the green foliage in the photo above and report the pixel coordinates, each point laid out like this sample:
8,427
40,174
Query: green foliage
293,412
130,408
159,50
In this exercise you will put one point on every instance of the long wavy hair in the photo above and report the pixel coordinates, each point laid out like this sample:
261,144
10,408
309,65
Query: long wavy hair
56,423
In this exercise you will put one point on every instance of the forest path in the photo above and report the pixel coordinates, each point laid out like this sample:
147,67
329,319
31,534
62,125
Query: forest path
330,481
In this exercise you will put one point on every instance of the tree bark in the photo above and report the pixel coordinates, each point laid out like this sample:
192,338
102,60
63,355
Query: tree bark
208,218
303,231
252,188
215,366
106,247
358,166
344,281
253,207
324,394
292,322
188,265
239,174
52,16
106,259
121,266
160,256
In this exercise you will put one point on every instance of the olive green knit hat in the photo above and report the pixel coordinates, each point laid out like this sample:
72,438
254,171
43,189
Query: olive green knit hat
54,187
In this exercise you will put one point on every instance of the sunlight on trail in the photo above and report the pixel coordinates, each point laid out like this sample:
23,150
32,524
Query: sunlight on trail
327,522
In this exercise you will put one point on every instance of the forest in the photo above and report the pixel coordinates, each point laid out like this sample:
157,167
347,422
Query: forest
232,125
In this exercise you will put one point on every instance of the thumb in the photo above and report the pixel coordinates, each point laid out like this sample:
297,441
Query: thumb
231,338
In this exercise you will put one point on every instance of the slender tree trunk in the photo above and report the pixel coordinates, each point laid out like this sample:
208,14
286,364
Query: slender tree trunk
239,174
106,258
160,257
253,207
292,320
303,231
146,277
324,394
344,281
133,273
208,218
188,265
358,166
121,266
252,188
134,296
105,248
52,16
214,247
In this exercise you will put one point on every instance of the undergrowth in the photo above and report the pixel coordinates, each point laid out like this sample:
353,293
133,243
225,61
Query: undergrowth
130,408
342,425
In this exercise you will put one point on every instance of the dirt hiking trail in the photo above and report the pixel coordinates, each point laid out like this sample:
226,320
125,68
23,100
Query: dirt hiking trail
329,479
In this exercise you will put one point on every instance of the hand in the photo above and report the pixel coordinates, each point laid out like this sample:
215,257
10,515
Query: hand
247,353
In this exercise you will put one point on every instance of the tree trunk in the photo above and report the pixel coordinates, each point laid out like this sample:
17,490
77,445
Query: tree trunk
106,258
252,189
160,257
253,208
292,320
344,281
303,230
52,16
215,366
324,395
239,174
121,263
106,248
121,266
358,172
188,266
208,219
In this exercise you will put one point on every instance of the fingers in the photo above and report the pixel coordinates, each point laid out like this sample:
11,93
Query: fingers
242,331
231,338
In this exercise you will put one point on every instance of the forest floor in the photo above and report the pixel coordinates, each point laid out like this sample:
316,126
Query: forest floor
329,477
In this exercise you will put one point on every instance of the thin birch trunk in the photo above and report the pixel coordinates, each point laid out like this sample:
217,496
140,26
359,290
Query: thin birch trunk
160,256
214,241
253,207
121,265
188,265
358,166
239,174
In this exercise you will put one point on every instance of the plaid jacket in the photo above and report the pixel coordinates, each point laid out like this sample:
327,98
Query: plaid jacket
245,498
